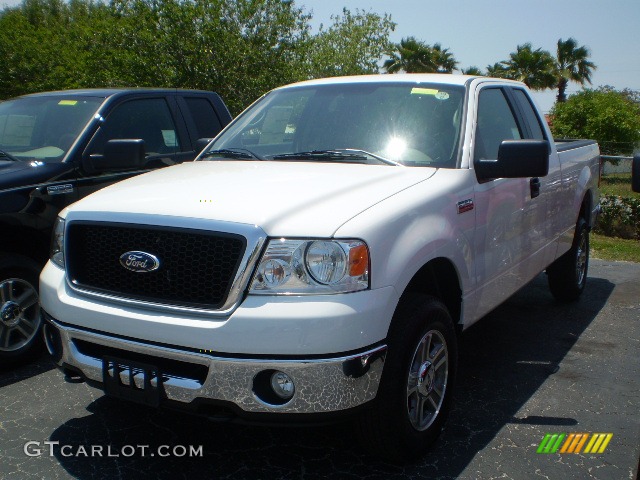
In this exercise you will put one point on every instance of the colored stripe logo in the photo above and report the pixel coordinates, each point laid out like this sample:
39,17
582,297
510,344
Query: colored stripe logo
574,443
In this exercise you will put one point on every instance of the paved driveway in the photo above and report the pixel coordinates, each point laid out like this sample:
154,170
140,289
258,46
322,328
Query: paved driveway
530,368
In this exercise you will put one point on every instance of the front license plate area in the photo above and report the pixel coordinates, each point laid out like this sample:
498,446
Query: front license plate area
134,381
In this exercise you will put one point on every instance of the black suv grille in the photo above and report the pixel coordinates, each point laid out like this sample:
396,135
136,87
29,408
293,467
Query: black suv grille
197,267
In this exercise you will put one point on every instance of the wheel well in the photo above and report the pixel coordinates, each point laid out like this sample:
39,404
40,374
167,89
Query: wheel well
440,279
25,241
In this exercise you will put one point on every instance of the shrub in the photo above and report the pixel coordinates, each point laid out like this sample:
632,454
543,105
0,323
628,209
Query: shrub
619,217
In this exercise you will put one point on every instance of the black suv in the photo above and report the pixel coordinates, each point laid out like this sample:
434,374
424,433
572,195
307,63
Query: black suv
58,147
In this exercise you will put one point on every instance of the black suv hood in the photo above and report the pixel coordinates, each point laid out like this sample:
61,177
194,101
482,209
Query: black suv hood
15,174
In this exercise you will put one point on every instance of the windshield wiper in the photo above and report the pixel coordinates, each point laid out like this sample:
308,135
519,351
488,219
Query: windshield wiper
334,154
233,153
8,155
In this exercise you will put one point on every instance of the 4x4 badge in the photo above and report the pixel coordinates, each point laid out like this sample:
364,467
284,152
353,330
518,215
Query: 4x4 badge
139,261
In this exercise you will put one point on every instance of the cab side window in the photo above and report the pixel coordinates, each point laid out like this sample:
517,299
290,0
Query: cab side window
537,133
148,119
495,123
204,115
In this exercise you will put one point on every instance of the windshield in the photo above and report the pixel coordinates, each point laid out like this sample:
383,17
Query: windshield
43,128
408,123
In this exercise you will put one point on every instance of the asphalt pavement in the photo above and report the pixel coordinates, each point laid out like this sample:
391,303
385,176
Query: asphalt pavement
530,368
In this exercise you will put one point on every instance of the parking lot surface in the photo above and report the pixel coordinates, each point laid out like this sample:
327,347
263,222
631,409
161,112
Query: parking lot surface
531,367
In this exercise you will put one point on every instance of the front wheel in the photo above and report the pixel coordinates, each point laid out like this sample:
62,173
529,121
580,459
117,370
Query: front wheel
20,323
414,396
568,274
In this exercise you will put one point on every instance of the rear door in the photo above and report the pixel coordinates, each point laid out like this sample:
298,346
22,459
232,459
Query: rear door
550,185
205,116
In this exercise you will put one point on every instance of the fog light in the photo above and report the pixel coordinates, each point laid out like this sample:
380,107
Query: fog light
282,385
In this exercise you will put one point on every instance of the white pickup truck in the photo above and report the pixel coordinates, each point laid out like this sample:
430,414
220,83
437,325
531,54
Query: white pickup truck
323,255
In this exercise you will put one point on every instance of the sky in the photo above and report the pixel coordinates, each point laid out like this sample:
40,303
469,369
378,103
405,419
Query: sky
481,32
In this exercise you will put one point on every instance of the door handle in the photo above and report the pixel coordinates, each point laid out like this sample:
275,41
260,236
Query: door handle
534,185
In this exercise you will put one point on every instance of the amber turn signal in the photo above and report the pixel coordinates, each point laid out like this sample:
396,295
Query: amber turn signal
358,260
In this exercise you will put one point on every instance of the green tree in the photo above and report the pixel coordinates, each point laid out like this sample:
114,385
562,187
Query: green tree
472,71
497,70
605,115
572,64
45,45
352,45
239,48
533,67
414,56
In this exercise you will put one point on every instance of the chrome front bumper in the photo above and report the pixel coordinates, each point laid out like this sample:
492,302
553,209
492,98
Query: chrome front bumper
321,385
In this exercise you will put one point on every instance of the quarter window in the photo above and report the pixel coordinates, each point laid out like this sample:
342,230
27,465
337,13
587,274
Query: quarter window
203,114
530,115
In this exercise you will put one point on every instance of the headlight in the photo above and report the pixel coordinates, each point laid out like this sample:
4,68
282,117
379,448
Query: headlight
298,267
57,243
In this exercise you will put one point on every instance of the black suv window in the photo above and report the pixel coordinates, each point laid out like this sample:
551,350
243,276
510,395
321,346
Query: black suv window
149,119
204,115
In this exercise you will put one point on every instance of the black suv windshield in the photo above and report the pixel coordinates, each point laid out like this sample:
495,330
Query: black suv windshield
412,124
43,128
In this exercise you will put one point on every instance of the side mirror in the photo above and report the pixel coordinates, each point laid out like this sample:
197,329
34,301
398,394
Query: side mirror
516,159
201,143
119,154
635,173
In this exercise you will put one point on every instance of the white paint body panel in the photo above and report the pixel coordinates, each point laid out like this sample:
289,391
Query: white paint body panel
407,217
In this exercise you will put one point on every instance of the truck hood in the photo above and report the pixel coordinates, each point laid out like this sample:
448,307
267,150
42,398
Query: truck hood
9,166
27,173
283,198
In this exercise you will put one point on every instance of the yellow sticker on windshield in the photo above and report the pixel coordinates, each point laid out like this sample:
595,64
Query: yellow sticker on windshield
67,102
423,91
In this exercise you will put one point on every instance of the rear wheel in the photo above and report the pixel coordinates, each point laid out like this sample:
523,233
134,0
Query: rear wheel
20,324
568,274
415,392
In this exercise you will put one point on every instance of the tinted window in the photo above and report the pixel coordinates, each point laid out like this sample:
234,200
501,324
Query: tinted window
148,119
530,114
495,124
44,127
204,115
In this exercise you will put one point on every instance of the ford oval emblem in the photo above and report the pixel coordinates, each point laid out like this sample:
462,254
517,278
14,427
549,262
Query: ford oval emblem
139,261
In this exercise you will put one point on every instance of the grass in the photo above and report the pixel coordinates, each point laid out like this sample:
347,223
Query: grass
617,184
612,248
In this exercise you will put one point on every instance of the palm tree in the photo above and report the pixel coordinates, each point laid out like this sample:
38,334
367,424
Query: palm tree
536,68
414,56
497,70
472,71
443,59
572,65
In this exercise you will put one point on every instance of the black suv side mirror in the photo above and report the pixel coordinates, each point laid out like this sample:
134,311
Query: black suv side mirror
201,143
119,154
635,173
516,159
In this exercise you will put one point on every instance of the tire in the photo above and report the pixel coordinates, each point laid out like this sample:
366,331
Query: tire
20,323
413,382
568,274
